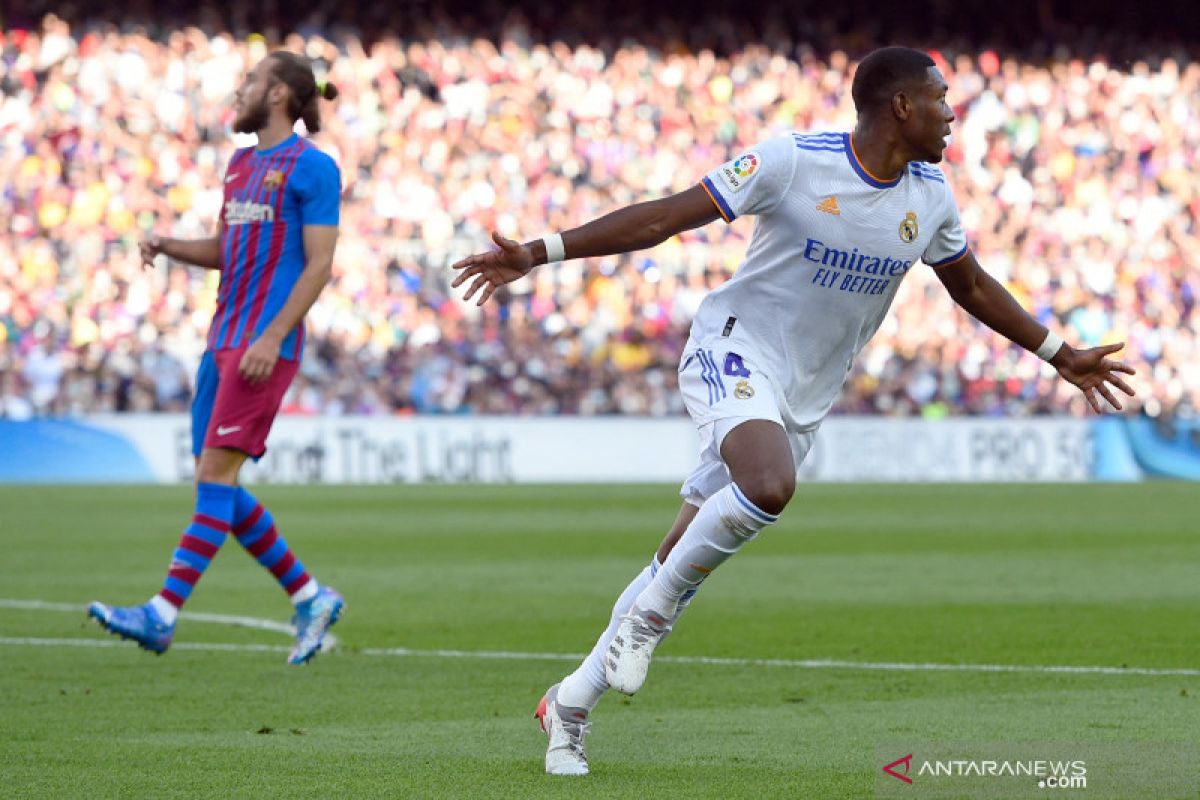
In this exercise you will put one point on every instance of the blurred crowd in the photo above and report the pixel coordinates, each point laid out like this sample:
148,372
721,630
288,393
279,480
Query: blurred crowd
1078,180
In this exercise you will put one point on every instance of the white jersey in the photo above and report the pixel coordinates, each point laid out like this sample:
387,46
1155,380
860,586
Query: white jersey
830,247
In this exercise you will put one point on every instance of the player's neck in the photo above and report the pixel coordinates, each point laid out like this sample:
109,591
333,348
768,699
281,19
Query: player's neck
877,152
273,133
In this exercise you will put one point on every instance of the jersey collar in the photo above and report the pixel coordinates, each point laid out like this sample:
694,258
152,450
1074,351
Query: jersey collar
286,142
867,177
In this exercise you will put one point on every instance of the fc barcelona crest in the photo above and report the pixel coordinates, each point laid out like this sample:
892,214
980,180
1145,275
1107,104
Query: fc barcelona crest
273,180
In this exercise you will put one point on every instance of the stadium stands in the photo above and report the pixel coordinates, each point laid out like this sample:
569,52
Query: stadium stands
1077,176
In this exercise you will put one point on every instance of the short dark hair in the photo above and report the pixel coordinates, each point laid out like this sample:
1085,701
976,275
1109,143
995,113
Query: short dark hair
297,73
883,73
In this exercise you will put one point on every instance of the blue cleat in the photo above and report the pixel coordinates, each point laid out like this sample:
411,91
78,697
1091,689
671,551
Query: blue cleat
313,620
139,623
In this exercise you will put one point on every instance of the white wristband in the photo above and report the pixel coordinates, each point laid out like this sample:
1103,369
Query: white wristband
555,250
1050,346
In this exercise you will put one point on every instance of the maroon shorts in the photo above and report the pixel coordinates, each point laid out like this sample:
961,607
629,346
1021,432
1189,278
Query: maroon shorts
243,412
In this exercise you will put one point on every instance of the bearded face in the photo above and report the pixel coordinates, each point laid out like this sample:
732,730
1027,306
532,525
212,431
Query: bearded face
252,114
250,102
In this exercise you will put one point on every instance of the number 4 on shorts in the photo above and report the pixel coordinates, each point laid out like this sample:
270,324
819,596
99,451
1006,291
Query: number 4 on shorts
735,366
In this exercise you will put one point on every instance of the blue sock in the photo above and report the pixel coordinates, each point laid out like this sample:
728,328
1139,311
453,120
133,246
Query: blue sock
200,542
254,528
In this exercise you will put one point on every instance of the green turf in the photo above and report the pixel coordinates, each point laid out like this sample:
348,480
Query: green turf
1015,575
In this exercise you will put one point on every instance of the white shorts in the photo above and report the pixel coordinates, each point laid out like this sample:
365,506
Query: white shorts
723,387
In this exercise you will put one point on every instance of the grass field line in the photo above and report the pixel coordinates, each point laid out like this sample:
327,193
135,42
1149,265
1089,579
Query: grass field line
505,655
220,619
216,647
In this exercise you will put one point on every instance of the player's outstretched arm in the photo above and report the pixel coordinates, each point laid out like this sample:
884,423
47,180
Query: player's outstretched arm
204,253
984,298
634,227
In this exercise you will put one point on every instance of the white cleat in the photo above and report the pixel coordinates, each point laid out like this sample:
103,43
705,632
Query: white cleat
565,726
628,657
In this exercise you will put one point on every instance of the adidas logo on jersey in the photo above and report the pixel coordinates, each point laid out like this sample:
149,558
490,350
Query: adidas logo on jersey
829,205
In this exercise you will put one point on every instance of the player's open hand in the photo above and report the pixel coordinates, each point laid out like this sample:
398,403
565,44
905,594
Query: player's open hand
492,270
1095,373
258,362
149,247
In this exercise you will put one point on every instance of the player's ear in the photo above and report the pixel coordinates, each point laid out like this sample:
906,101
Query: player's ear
278,93
901,106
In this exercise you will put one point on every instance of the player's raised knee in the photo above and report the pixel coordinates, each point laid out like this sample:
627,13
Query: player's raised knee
769,491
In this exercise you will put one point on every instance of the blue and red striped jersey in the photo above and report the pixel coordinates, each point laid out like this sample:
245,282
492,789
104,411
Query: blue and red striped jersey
270,195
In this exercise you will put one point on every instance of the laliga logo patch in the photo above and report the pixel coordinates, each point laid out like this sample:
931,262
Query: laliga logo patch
743,390
746,165
908,228
734,174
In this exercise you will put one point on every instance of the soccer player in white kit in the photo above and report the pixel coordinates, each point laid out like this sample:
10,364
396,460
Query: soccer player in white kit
842,218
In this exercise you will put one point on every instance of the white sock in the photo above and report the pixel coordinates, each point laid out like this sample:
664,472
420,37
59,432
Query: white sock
584,687
306,592
684,602
166,612
725,522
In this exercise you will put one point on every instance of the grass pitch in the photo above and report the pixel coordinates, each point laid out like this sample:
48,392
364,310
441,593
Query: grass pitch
517,581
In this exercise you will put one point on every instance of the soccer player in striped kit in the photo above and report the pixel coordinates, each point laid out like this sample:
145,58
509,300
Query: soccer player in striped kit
274,247
841,218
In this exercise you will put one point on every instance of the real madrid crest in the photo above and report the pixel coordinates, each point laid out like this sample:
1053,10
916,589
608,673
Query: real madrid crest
908,228
743,390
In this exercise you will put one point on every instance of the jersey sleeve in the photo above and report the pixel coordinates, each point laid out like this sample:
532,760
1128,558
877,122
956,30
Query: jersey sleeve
949,243
318,183
753,182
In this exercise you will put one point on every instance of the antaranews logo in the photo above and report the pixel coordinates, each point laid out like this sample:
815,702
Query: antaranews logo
981,770
891,768
1048,773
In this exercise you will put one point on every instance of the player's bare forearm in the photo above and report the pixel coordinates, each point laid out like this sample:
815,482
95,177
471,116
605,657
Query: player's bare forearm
634,227
983,297
205,253
306,291
631,228
319,243
260,357
1090,370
